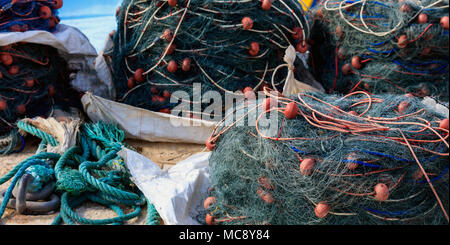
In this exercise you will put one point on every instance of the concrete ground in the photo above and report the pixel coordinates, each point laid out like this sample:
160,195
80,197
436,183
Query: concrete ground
163,154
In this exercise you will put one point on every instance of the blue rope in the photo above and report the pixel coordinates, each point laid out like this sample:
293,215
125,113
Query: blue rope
376,154
438,69
23,144
383,52
435,178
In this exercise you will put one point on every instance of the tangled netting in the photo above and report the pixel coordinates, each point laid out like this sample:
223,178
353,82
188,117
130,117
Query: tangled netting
34,81
354,160
28,15
225,45
382,46
90,171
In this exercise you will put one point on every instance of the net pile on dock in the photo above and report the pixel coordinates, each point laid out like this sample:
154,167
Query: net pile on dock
34,80
227,46
382,46
356,160
29,15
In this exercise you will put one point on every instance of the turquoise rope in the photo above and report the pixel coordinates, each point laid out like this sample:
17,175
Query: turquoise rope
37,132
92,136
40,156
77,218
153,217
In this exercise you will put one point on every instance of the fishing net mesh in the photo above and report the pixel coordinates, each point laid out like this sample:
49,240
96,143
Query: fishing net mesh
382,46
29,15
34,82
159,48
257,179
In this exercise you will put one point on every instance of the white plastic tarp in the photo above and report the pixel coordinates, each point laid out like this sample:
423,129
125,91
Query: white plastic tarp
147,125
177,193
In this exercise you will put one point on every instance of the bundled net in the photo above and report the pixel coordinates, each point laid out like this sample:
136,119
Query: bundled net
331,159
34,81
225,45
29,15
382,46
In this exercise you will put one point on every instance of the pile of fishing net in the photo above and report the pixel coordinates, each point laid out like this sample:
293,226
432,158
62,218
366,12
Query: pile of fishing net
382,46
34,81
29,15
91,171
330,159
224,45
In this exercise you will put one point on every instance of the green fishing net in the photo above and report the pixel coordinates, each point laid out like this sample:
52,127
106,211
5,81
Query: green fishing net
382,46
339,161
34,81
160,49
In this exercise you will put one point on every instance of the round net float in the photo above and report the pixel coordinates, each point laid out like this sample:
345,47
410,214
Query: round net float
351,158
130,83
166,94
209,202
45,12
291,110
247,23
254,49
339,32
341,54
266,4
171,49
139,75
210,144
402,41
319,13
15,28
111,34
172,3
167,35
7,59
265,196
57,4
321,210
210,220
3,105
356,62
381,192
347,69
444,22
307,166
51,90
154,90
172,66
21,109
266,183
298,33
186,64
403,106
417,175
423,18
405,8
14,70
302,47
353,113
444,124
